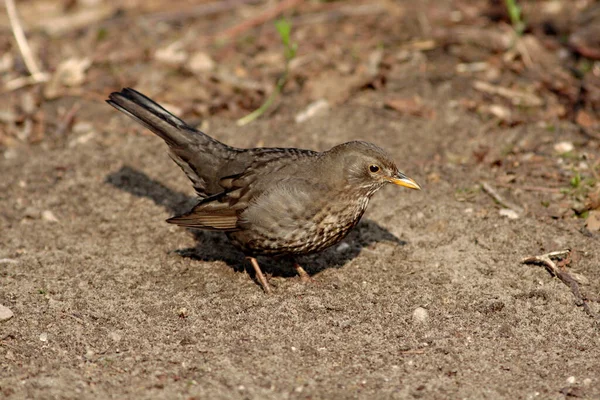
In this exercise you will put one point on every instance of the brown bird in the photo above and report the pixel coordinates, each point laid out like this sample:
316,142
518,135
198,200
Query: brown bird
269,201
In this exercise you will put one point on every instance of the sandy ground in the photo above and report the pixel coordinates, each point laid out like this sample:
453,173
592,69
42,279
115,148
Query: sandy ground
427,298
110,301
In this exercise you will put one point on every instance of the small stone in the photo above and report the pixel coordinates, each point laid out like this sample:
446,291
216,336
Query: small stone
31,212
10,355
116,337
587,382
82,139
508,213
342,247
5,313
571,380
200,62
10,154
500,112
563,147
48,215
44,337
311,110
182,312
173,54
420,315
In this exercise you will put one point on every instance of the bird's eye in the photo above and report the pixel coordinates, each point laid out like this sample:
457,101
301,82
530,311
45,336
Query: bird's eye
373,168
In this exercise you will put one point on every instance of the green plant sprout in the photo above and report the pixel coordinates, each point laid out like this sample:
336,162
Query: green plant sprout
516,19
284,29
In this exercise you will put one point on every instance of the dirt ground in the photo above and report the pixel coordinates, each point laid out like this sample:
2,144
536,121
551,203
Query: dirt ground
427,298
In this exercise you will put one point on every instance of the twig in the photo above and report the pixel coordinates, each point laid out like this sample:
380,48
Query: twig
517,97
260,19
498,199
529,188
36,74
564,276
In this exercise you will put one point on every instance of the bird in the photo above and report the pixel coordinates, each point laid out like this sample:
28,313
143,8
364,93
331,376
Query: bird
269,201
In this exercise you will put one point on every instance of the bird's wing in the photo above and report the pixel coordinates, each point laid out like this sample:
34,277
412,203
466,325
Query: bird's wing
221,212
212,213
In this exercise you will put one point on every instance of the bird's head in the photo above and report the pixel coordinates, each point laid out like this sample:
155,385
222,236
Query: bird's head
367,167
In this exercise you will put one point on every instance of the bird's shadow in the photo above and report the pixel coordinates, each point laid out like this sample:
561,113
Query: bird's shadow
213,246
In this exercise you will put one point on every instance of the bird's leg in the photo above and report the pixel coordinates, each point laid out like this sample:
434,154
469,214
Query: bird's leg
304,276
259,275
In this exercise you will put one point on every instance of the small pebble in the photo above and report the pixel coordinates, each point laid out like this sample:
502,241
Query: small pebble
182,312
587,382
115,336
44,337
508,213
571,380
31,212
420,315
563,147
311,110
200,62
48,215
342,247
5,313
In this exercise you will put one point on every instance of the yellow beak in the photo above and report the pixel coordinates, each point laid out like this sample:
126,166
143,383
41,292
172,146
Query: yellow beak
402,180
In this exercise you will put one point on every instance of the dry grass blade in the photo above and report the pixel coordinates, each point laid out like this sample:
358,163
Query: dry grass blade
36,74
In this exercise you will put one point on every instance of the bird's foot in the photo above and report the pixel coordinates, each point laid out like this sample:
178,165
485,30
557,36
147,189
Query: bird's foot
260,276
304,276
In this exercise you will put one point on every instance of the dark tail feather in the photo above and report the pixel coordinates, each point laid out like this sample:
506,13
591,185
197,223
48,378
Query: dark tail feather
147,112
199,156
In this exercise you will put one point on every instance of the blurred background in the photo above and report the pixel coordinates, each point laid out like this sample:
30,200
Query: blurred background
510,63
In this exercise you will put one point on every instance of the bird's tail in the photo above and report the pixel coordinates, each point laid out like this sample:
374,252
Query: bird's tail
144,110
199,156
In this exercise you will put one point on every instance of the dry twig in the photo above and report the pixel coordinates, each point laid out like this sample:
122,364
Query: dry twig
558,269
498,199
37,75
517,97
528,188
